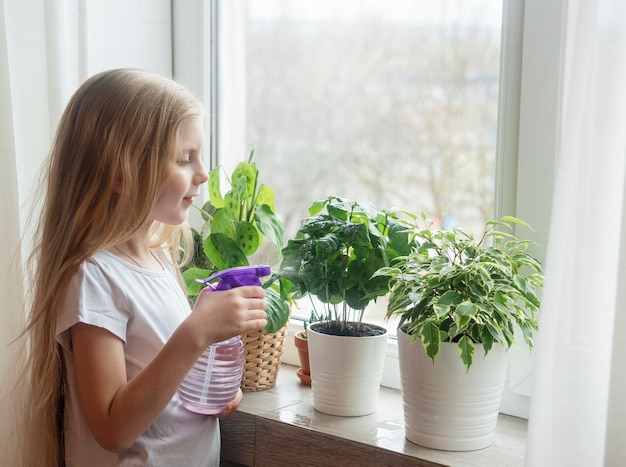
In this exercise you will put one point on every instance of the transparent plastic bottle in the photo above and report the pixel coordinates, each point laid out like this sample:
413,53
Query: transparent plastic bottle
214,379
216,376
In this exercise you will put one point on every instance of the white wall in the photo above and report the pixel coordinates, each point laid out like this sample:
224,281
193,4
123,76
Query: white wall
129,33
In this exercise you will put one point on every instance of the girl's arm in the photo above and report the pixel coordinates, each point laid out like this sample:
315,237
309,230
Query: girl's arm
118,411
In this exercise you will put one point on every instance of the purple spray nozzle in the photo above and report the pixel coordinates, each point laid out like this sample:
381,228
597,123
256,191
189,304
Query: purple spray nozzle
237,277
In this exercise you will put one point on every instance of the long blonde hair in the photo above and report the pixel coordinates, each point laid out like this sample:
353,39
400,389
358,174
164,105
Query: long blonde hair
119,128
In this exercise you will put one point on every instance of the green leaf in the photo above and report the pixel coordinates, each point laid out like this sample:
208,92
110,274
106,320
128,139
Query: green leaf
222,223
190,275
430,340
479,289
452,297
466,351
317,207
461,323
269,225
520,282
400,243
527,332
215,192
245,173
495,330
440,311
234,200
466,309
265,196
277,310
247,237
326,246
224,252
487,339
532,299
515,220
462,316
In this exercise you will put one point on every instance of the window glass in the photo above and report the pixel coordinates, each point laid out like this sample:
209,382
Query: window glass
391,102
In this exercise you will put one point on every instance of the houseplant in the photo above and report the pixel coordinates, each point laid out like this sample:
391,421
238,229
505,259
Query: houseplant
463,298
332,258
239,225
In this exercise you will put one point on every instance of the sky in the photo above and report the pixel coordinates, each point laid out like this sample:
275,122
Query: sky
486,13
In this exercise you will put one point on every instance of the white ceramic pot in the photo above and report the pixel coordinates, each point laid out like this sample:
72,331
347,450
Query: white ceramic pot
346,372
446,407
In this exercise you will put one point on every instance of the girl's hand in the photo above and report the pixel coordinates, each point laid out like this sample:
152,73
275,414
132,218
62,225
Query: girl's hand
232,406
220,315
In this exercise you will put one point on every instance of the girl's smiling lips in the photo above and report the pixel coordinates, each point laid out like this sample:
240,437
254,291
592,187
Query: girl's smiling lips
189,199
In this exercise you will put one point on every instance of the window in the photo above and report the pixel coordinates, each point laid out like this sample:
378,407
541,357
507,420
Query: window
390,102
505,185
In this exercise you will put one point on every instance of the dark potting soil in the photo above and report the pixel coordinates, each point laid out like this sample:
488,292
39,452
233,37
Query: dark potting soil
349,329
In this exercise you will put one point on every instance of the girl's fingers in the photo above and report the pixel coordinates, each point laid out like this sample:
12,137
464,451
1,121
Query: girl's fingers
257,304
260,324
252,291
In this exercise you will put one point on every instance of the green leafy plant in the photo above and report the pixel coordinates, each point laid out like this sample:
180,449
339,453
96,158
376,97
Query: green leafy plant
237,224
455,288
334,255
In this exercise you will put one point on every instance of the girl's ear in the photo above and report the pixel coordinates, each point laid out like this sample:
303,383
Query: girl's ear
117,186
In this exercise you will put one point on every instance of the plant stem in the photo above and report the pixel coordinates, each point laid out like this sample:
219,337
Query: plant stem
202,211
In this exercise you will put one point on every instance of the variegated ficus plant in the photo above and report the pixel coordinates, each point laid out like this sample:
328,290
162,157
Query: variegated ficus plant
237,224
466,290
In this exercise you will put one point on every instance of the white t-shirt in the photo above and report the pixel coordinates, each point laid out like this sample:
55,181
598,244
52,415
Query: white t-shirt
143,308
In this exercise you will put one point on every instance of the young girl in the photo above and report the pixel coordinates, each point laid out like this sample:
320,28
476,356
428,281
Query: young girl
111,335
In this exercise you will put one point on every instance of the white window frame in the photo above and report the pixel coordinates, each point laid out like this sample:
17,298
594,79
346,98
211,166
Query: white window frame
527,127
538,143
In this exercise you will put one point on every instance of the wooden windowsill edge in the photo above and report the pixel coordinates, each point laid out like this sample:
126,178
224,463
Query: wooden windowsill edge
275,421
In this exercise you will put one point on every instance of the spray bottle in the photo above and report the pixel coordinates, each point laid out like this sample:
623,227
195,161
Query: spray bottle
216,376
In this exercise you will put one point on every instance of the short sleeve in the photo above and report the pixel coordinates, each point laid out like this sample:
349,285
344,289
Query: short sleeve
92,298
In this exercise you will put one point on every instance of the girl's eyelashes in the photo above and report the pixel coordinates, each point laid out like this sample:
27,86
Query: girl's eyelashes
187,158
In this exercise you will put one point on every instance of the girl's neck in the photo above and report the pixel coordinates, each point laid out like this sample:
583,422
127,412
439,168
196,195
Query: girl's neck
138,254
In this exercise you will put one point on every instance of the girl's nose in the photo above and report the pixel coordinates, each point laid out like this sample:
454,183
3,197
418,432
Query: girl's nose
201,175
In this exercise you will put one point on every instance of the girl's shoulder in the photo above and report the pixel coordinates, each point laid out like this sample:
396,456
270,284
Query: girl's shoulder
107,272
106,260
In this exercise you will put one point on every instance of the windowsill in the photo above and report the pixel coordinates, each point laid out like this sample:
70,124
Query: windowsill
274,425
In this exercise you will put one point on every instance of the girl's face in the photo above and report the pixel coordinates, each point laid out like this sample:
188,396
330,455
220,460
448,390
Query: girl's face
187,173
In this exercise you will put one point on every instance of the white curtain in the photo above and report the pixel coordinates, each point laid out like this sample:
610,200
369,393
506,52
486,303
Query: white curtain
39,68
578,407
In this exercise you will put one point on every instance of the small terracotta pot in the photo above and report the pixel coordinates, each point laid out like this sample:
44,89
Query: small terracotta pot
304,372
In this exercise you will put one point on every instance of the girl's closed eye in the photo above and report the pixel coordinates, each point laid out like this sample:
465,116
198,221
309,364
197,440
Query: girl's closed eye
188,157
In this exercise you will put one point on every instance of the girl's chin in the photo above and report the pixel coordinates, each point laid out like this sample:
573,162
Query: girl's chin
174,220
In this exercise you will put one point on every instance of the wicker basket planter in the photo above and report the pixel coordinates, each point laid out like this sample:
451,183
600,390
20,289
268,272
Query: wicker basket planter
262,354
